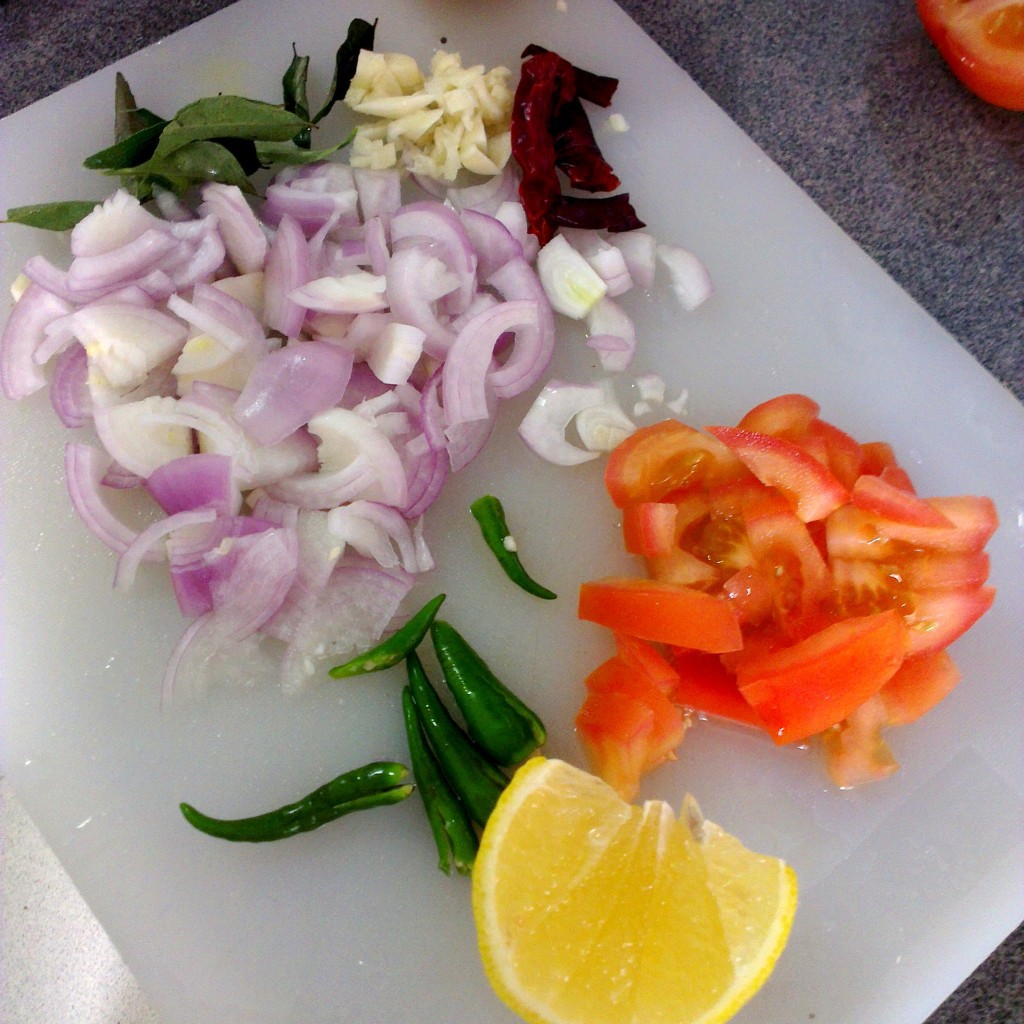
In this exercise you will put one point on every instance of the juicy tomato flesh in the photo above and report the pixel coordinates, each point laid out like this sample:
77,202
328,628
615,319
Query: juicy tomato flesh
795,583
982,41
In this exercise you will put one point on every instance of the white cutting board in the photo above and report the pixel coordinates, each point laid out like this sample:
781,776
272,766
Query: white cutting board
905,886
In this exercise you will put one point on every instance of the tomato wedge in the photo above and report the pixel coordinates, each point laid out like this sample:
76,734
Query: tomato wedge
811,486
705,685
814,684
918,685
662,612
982,41
664,457
627,724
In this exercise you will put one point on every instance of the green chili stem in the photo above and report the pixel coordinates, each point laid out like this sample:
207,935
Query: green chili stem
373,785
394,649
475,779
496,719
488,512
453,831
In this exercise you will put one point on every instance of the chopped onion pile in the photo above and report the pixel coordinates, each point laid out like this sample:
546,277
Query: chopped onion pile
291,387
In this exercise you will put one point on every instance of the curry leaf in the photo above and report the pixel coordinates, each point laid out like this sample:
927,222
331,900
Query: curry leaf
129,117
360,37
290,153
51,216
129,151
296,99
195,162
234,117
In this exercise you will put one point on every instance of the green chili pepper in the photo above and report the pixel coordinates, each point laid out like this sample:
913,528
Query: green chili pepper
392,650
453,831
373,785
475,779
496,719
488,512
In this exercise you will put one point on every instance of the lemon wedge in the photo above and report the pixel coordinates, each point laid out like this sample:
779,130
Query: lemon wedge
590,909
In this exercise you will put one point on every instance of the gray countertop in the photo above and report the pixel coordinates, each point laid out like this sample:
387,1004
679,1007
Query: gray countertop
851,100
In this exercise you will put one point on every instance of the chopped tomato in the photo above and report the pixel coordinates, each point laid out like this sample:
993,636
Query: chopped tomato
705,685
855,750
649,527
918,685
811,487
662,612
982,41
852,532
814,684
876,494
656,460
797,580
627,724
787,416
942,616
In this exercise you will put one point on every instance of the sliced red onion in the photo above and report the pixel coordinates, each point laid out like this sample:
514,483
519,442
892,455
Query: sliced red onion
492,241
395,352
436,225
280,513
651,387
415,282
126,342
356,461
467,440
39,270
432,417
23,333
690,279
195,481
120,479
291,385
516,281
356,292
638,249
199,258
250,595
209,410
351,613
604,426
146,544
570,282
69,387
376,242
84,468
426,471
379,532
215,312
259,580
243,236
201,555
115,222
513,216
145,434
606,259
488,196
544,426
379,192
125,264
287,268
612,335
468,370
318,193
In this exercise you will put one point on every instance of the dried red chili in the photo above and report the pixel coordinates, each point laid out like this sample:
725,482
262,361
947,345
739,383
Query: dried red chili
550,133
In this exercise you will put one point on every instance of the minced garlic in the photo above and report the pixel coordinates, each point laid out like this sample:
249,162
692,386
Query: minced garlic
456,118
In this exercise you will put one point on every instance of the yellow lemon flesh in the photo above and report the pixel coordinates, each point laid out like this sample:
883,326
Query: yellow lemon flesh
592,909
